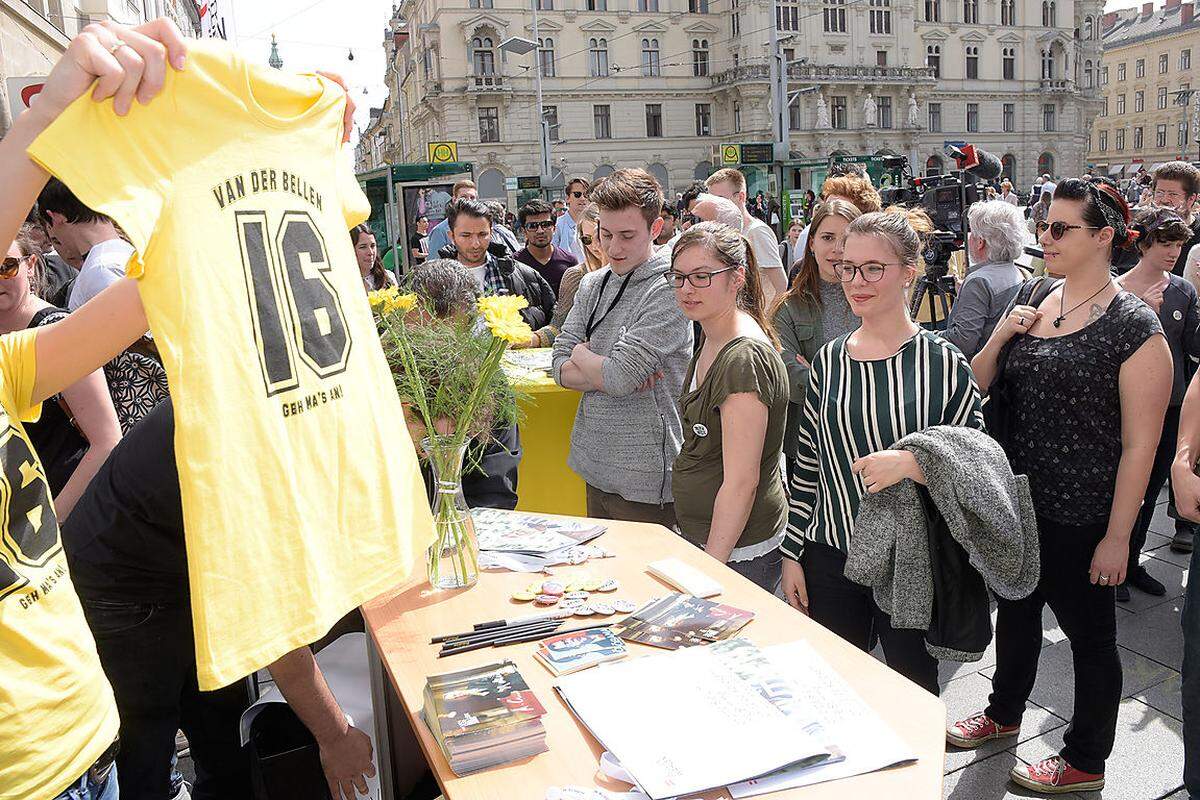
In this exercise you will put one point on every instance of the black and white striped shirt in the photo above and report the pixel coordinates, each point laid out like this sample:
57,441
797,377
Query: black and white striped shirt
853,408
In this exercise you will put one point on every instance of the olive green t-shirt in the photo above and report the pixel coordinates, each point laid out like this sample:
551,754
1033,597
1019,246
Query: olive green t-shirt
742,365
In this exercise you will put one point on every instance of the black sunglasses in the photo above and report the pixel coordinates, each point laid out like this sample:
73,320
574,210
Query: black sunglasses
549,223
576,193
1059,229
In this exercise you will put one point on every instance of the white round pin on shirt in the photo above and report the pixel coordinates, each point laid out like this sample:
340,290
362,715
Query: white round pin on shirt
700,430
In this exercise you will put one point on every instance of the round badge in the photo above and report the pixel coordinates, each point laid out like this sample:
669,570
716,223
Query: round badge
585,611
546,599
603,609
523,597
610,585
700,430
1178,315
593,585
576,595
624,606
553,587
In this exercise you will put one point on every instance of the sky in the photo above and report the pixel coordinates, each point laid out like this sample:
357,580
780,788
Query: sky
319,35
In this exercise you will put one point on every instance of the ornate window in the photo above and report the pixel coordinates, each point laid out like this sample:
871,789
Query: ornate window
651,58
699,57
598,59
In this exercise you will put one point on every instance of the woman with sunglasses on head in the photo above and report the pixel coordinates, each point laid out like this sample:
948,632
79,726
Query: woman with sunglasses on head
814,310
867,390
1086,381
1162,233
78,428
729,496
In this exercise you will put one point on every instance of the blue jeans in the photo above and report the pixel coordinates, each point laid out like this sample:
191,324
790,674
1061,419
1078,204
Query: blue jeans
1191,680
87,789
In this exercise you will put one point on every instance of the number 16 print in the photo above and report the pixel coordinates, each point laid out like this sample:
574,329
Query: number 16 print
295,309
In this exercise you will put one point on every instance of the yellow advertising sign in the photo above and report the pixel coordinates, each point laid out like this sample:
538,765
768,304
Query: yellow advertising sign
731,154
443,152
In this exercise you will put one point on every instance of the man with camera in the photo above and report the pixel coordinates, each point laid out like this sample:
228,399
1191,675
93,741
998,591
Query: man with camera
997,238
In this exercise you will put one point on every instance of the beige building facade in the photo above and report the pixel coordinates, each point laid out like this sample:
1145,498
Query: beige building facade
661,84
1150,109
34,33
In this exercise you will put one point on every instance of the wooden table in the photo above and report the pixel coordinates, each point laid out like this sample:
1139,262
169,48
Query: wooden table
402,623
544,483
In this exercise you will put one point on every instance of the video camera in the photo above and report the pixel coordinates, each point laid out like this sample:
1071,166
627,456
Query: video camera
945,198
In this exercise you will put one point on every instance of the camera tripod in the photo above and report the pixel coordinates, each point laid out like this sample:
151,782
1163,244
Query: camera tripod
940,290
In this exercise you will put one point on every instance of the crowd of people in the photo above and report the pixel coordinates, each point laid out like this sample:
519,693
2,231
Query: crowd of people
760,395
756,397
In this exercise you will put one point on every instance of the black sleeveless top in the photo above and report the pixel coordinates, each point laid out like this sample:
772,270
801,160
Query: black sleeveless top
58,443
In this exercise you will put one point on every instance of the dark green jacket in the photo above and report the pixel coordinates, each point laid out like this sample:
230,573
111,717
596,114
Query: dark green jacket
798,325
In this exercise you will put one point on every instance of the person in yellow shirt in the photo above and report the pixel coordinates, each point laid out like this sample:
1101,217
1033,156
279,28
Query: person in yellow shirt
58,731
59,726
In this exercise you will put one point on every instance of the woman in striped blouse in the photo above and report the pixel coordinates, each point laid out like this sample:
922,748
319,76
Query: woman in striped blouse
868,389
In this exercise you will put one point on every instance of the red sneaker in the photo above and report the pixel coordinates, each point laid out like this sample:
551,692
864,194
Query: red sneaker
974,731
1055,776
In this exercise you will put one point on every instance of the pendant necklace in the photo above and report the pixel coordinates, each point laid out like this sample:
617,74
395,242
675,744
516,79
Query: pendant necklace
1058,321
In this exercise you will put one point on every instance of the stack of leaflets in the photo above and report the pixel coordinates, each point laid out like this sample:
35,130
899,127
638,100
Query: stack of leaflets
530,534
681,620
695,719
571,652
537,360
522,542
484,716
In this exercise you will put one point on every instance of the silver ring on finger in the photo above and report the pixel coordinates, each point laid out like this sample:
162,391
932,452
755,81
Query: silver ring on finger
1104,579
113,50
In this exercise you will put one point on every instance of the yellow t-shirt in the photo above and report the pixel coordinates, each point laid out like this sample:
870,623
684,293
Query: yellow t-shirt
302,497
57,714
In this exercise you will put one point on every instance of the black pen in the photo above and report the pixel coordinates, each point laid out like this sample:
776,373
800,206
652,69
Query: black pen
492,633
498,624
535,632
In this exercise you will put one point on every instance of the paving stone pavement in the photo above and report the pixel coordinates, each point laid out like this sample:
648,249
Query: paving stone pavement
1147,760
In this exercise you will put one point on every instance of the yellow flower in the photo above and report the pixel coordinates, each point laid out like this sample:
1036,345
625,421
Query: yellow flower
402,303
380,297
502,313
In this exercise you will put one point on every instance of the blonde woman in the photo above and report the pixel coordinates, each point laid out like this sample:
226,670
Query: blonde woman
856,408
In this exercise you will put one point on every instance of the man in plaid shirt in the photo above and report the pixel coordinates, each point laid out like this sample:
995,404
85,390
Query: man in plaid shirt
470,224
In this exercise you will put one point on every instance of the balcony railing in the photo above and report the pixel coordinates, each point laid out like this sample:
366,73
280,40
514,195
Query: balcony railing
1058,85
746,72
486,83
829,73
822,73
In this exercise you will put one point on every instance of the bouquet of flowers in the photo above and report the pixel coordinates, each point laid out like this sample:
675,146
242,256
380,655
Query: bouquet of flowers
447,372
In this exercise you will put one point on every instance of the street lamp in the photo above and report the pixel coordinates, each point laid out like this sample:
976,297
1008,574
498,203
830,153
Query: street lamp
520,46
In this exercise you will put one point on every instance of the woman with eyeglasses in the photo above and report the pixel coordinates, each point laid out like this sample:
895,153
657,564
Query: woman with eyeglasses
78,428
867,390
814,310
1162,233
729,496
1086,379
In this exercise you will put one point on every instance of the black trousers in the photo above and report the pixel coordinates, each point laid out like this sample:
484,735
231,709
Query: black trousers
148,654
1087,614
849,610
1159,472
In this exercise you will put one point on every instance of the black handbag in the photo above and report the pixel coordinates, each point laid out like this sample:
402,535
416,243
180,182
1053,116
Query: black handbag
997,407
960,618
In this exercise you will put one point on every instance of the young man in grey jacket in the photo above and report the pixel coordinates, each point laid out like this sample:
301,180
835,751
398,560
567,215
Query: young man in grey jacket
626,345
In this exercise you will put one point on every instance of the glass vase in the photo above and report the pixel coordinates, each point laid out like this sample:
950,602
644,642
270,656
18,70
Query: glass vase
452,561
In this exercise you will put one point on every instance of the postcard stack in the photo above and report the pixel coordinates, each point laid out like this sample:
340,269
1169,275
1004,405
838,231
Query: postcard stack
484,716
